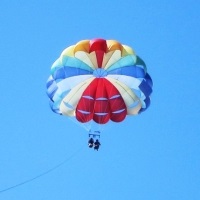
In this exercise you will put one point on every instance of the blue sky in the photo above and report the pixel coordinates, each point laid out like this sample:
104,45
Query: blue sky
152,156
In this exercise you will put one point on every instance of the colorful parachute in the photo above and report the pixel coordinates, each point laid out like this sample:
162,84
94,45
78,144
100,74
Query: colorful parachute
99,80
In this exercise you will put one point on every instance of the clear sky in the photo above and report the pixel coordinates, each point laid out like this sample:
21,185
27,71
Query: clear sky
153,156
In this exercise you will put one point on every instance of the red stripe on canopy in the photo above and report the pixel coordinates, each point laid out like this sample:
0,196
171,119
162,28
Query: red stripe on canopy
98,45
99,56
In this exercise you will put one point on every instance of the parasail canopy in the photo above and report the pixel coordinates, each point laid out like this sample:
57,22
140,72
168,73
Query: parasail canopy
99,80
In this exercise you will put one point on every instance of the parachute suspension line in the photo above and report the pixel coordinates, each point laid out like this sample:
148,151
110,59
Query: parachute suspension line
95,126
82,125
42,174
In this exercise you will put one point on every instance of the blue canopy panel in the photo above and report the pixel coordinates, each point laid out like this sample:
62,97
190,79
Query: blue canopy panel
134,71
149,80
54,107
147,101
51,87
67,71
145,88
140,62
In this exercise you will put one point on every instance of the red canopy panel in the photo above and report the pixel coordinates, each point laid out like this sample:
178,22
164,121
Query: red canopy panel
101,101
100,48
